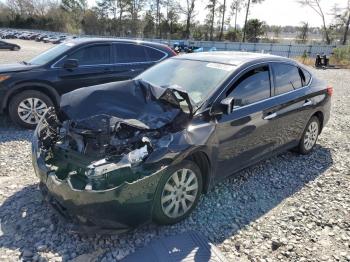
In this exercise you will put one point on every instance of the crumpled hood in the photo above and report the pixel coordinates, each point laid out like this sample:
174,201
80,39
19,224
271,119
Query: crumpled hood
18,67
132,99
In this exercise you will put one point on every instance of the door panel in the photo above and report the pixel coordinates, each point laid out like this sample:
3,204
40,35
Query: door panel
94,68
245,136
82,76
294,104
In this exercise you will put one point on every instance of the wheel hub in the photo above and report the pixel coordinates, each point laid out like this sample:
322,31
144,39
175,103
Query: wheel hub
311,135
30,110
179,193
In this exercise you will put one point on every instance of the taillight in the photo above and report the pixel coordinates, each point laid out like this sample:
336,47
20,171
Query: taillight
171,50
330,90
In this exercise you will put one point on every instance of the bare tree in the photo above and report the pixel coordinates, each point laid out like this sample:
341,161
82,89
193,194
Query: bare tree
158,5
343,20
316,6
223,11
303,33
21,7
155,12
117,9
276,32
134,8
41,7
171,14
188,11
211,6
347,23
249,2
235,7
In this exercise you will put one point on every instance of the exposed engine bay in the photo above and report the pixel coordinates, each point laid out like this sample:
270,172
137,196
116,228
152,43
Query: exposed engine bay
109,129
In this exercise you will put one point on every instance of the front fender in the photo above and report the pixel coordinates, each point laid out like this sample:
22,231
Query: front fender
27,86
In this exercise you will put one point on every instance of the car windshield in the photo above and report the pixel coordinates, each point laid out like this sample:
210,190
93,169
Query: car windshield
51,54
197,78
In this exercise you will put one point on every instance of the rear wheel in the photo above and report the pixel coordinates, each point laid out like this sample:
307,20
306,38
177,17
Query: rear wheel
27,107
310,135
178,193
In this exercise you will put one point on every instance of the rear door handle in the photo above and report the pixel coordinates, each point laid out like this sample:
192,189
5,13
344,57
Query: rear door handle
270,116
307,103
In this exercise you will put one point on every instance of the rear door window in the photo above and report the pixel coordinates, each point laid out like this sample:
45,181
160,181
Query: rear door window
92,55
154,55
287,78
252,87
130,53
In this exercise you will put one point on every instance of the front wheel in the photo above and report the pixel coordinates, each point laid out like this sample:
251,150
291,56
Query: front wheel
310,135
27,107
178,193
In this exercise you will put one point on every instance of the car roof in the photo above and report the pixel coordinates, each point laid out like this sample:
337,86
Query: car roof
84,40
231,57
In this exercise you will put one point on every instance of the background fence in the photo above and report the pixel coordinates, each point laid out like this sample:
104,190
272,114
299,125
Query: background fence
286,50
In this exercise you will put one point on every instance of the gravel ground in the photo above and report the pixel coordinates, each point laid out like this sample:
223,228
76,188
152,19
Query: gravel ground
287,208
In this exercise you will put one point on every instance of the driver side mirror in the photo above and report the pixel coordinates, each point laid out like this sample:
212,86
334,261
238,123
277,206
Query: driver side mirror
225,107
70,64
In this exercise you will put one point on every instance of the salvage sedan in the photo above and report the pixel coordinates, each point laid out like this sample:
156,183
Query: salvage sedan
122,154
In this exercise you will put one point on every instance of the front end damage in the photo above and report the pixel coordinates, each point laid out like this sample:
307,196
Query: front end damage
103,168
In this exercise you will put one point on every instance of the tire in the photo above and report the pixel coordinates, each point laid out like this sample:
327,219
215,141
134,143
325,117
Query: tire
310,134
15,48
160,216
20,105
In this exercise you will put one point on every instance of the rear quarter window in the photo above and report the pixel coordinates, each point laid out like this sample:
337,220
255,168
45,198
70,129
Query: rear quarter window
287,78
154,54
306,76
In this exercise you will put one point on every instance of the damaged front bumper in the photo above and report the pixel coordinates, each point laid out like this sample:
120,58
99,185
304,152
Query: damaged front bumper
100,158
126,205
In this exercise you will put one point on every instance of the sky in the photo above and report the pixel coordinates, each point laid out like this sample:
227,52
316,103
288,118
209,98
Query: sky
277,12
290,12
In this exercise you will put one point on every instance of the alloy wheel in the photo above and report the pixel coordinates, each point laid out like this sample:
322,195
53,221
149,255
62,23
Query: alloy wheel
30,110
311,135
179,193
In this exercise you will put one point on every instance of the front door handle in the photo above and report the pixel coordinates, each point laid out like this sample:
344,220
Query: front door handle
270,116
307,103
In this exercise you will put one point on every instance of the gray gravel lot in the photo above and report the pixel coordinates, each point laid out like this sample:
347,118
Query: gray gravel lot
287,208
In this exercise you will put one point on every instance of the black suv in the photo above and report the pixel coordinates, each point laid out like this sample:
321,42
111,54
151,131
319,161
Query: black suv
27,89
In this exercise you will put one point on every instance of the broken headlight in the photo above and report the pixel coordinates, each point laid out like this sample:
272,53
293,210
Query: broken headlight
136,156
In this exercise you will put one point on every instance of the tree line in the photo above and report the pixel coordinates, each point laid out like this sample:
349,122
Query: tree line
166,19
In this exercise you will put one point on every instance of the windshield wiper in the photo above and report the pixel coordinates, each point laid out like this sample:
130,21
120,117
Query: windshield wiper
25,62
